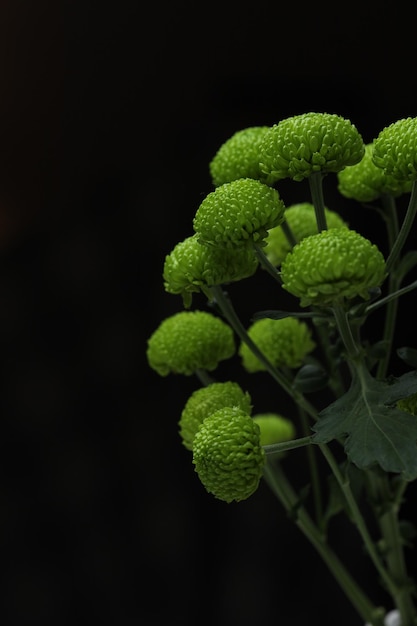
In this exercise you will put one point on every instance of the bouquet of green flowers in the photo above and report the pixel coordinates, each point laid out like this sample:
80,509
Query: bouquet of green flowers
366,435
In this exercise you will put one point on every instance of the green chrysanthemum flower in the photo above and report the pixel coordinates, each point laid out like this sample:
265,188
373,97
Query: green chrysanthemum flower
274,428
238,157
408,404
238,213
227,454
301,219
334,265
205,401
188,341
298,146
192,267
285,342
366,182
395,150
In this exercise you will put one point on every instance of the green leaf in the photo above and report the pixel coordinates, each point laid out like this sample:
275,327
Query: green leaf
377,432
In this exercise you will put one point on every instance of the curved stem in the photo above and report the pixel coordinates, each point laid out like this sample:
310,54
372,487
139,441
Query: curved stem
359,520
387,508
234,321
266,263
280,486
316,189
405,228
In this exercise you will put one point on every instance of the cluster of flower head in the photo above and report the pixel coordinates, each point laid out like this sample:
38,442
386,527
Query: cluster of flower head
325,267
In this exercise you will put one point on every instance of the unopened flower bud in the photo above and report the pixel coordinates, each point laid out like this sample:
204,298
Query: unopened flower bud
395,150
192,267
366,182
227,454
188,341
205,401
238,213
333,265
298,146
274,428
409,404
238,157
301,219
285,342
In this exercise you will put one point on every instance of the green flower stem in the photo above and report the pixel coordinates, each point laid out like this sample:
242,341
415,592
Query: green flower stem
280,486
392,296
359,520
391,219
336,382
284,446
316,189
286,229
405,228
313,468
204,377
266,263
387,509
345,331
234,321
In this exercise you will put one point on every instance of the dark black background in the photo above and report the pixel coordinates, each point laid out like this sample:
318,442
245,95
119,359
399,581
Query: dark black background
109,115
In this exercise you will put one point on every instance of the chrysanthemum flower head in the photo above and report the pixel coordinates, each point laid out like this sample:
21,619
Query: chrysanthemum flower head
238,156
192,267
205,401
188,341
395,150
238,213
331,266
366,182
298,146
274,428
227,454
285,342
301,218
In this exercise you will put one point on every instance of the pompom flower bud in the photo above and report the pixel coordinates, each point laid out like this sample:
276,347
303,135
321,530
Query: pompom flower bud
298,146
238,213
366,182
205,401
395,150
274,428
228,456
334,265
188,341
238,157
301,219
192,267
285,342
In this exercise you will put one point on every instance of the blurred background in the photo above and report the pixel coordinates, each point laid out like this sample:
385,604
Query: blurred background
109,116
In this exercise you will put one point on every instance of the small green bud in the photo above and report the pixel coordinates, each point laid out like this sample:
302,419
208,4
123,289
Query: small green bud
395,150
409,404
205,401
192,267
285,342
188,341
334,265
227,454
366,182
238,213
298,146
238,157
274,428
301,218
